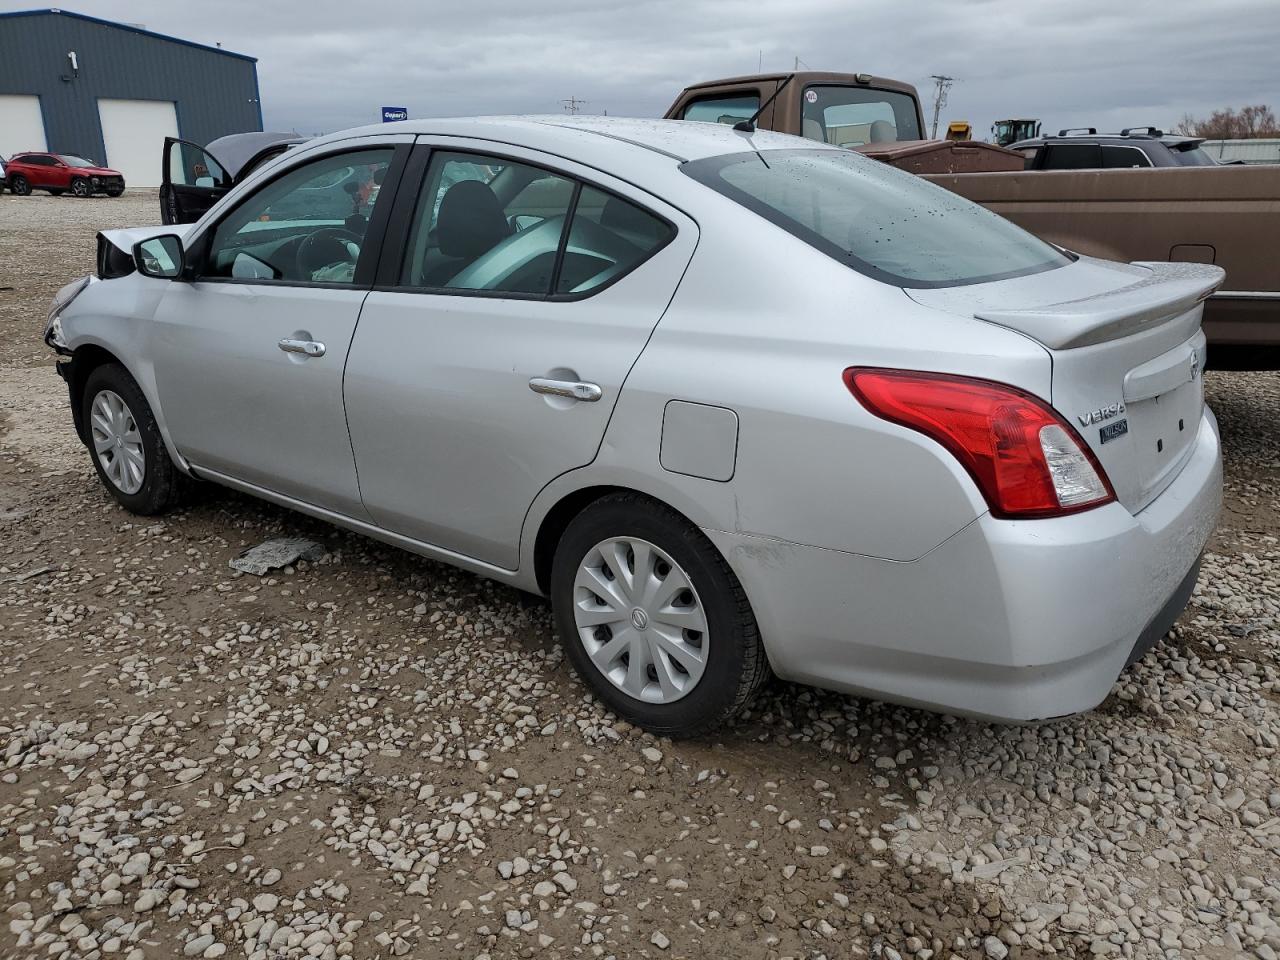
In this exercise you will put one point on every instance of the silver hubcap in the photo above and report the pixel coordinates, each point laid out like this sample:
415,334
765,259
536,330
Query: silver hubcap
117,442
640,620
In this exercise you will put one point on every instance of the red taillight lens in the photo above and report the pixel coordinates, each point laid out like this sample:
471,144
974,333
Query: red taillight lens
1027,461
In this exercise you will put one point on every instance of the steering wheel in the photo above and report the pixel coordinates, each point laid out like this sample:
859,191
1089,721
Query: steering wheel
325,248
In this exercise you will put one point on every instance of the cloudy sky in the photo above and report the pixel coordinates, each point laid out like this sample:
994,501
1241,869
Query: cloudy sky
324,65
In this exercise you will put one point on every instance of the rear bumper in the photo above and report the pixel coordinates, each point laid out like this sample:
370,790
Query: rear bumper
1007,620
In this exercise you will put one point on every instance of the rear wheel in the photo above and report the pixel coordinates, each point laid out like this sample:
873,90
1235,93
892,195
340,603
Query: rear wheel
125,443
653,619
80,187
19,185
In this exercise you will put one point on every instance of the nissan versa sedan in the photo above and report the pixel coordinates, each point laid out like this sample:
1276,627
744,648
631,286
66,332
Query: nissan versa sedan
737,402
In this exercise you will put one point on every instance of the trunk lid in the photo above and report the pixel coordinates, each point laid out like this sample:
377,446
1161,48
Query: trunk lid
1127,353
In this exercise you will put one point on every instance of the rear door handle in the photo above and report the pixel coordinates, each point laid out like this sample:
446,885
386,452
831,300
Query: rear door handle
573,389
311,348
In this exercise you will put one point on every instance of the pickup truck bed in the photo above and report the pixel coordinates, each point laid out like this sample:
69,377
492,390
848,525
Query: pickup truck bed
1225,215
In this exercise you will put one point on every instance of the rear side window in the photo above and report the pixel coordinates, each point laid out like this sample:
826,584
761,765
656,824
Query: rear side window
878,220
1072,156
1116,158
608,238
492,225
485,223
723,109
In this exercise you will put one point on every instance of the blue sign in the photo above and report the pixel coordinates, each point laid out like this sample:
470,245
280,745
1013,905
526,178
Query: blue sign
392,114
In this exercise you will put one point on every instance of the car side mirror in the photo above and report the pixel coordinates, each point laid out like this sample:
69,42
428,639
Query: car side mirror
161,257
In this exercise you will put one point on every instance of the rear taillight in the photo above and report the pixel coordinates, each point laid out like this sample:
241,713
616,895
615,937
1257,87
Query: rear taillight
1026,460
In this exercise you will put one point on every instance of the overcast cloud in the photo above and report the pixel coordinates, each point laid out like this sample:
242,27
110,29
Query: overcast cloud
324,65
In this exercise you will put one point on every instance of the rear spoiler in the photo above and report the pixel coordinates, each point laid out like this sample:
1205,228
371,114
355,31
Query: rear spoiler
1171,289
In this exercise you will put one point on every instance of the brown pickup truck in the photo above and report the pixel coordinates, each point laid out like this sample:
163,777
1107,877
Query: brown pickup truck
1227,215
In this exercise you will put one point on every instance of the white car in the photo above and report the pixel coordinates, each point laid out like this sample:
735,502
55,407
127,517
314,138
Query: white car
737,402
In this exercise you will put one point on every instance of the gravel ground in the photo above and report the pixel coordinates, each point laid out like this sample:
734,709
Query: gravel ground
371,755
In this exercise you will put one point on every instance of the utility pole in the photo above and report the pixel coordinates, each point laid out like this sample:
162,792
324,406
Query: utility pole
941,85
573,104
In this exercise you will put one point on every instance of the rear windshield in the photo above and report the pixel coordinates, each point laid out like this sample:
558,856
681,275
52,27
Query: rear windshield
881,221
852,116
1193,157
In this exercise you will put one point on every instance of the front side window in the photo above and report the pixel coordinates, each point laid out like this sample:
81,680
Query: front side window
878,220
728,109
854,116
493,225
307,226
1116,158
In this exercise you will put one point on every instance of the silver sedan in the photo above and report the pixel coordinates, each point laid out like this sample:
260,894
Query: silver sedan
739,403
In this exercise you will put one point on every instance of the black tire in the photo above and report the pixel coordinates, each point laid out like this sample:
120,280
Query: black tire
19,185
735,667
81,187
114,191
163,484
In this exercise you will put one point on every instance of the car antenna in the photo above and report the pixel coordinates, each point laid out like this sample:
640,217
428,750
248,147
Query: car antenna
749,126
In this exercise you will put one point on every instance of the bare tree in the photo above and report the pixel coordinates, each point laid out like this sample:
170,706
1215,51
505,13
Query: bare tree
1247,123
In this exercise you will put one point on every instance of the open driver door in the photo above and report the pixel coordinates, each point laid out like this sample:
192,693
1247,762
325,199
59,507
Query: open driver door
193,182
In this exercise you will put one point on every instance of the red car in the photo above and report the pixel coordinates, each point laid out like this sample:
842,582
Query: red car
58,173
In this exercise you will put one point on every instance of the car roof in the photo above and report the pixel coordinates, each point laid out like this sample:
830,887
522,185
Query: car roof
675,139
802,78
1118,139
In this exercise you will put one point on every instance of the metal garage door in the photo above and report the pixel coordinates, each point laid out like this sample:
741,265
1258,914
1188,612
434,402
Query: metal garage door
134,132
21,125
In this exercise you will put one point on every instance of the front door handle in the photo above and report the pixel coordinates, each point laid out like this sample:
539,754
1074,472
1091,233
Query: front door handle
573,389
312,348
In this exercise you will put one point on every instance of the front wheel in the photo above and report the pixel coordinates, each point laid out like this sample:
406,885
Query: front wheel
125,443
20,186
114,191
654,619
80,187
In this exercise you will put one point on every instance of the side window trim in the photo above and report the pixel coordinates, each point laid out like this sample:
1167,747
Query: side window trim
564,237
375,234
395,247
